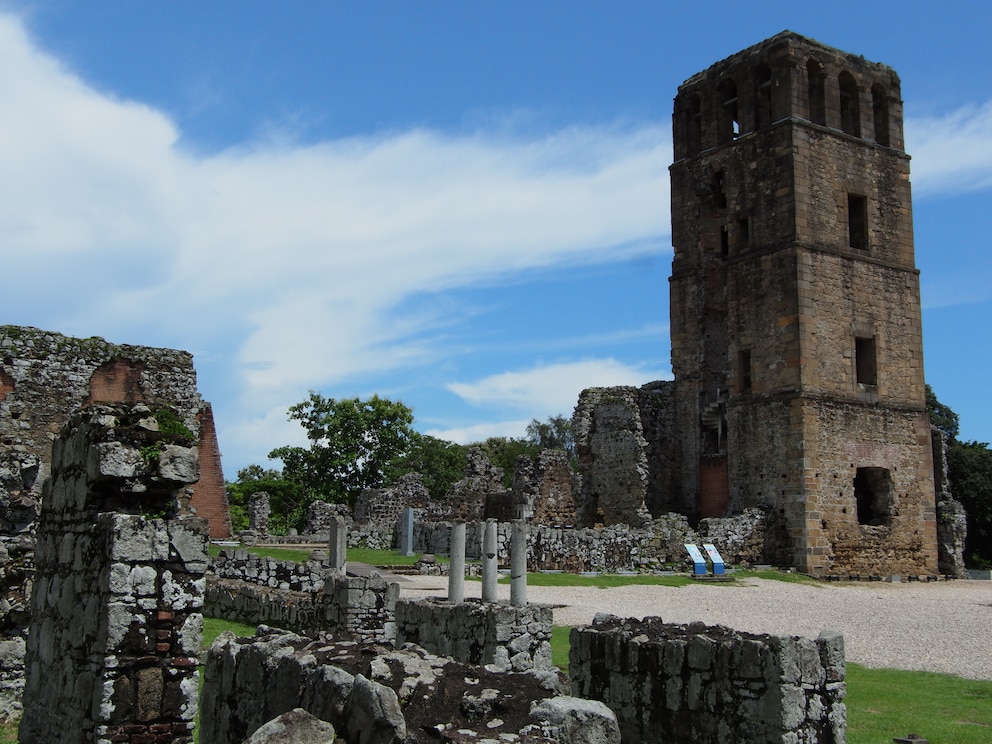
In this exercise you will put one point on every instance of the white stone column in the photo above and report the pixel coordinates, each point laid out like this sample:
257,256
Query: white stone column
337,550
456,566
406,532
489,562
518,564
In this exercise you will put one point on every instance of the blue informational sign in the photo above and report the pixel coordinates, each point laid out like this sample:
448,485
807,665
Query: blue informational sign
714,554
698,562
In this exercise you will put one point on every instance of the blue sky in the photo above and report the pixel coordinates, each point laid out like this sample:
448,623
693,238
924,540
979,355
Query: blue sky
461,205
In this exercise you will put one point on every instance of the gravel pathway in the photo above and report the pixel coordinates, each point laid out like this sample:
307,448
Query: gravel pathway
939,627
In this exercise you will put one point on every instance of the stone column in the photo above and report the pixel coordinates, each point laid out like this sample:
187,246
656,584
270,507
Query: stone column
406,531
115,633
489,562
258,514
337,553
518,564
456,567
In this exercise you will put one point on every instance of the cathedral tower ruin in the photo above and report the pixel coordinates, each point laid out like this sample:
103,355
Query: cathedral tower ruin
795,307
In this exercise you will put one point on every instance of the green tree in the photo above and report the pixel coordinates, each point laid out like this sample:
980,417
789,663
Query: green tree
555,433
353,446
969,470
941,416
285,497
504,451
439,462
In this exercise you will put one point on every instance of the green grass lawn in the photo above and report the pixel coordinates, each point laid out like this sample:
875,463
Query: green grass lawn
884,703
358,555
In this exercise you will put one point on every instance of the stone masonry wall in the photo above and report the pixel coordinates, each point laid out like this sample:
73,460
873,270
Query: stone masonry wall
702,684
380,695
45,377
361,607
517,638
116,606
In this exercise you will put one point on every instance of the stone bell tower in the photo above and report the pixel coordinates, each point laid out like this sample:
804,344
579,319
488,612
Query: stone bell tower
795,308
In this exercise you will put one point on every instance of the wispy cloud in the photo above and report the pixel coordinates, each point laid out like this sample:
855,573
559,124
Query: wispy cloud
298,260
552,388
951,153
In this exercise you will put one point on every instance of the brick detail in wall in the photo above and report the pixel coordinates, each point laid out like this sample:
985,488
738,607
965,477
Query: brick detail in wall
209,497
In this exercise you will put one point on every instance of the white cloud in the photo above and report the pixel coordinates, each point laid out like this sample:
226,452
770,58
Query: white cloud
294,261
481,432
551,389
951,153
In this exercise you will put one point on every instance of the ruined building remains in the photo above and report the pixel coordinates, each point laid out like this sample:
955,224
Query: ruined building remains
118,595
795,307
45,377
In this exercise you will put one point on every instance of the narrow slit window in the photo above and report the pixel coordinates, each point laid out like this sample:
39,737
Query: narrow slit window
850,108
762,97
730,123
817,93
880,111
743,232
744,370
857,222
694,126
865,361
724,241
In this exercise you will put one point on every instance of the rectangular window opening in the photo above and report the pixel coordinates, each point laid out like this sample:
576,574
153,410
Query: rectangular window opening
857,222
724,241
873,495
865,361
743,232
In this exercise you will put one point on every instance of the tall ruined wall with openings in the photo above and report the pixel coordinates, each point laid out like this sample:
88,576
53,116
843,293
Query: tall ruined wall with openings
45,377
624,442
796,325
118,594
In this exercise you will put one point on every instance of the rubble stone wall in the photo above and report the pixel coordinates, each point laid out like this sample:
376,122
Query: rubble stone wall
241,565
702,684
392,695
363,607
116,606
45,377
517,638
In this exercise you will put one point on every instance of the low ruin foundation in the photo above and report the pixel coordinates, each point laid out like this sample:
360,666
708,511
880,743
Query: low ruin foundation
517,638
697,684
116,606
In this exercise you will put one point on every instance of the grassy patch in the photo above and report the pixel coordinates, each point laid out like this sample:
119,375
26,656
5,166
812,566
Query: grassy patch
884,703
559,646
359,555
774,575
213,627
8,732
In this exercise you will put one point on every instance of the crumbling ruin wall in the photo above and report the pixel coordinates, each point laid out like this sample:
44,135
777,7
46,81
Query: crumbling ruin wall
116,606
362,607
542,490
390,695
952,520
377,512
321,518
624,441
517,638
240,565
742,540
700,684
45,377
